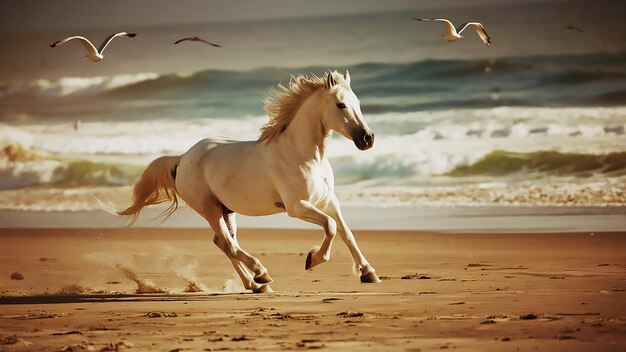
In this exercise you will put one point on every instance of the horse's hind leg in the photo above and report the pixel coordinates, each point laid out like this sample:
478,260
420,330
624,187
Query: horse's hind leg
247,278
231,224
230,247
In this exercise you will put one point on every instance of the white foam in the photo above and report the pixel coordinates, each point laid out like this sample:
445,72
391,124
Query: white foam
10,135
137,137
21,174
409,144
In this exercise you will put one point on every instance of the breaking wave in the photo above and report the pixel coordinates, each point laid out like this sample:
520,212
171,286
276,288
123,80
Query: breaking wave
562,80
408,145
386,168
67,86
24,173
498,163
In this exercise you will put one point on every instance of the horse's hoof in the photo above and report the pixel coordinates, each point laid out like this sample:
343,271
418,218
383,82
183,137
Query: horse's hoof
264,278
370,278
309,258
263,289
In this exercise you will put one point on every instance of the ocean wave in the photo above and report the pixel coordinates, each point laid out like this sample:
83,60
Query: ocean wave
83,172
492,125
576,77
409,146
499,163
615,97
386,87
21,168
73,85
424,168
399,168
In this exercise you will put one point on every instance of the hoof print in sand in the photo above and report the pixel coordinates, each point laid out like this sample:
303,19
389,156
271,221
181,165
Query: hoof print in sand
73,332
530,316
161,315
309,344
331,299
17,276
476,265
350,314
416,276
14,340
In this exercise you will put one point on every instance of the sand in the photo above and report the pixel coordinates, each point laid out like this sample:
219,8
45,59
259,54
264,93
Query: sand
481,292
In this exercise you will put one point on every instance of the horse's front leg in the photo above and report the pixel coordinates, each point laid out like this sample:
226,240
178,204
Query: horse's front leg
367,272
304,210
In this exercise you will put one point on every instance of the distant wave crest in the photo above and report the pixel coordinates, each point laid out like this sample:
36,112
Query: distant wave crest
67,86
591,79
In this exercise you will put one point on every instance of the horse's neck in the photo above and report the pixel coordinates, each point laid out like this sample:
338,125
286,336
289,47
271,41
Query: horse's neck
306,136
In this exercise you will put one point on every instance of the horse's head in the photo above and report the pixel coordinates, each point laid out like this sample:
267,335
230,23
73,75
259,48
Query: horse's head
343,111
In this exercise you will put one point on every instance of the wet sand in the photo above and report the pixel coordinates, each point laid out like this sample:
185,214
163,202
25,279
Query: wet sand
488,292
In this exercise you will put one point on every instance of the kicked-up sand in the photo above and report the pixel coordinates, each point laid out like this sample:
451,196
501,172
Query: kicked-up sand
173,290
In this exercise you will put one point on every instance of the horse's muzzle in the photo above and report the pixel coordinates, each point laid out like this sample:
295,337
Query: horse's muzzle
363,139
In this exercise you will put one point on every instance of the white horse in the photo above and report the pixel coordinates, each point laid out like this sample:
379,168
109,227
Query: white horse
286,169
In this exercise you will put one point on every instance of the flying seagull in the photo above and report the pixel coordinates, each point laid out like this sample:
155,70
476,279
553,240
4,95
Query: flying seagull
453,34
574,28
94,55
198,39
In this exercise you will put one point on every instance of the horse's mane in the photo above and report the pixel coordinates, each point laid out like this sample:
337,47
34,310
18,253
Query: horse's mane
284,101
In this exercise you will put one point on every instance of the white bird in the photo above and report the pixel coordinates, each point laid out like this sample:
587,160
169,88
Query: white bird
94,55
197,39
454,34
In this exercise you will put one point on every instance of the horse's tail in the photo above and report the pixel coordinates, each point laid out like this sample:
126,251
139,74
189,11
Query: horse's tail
156,185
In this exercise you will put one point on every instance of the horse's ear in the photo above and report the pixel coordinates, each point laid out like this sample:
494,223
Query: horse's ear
347,78
330,81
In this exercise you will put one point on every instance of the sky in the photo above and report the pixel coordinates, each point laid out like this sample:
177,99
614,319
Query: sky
290,33
46,14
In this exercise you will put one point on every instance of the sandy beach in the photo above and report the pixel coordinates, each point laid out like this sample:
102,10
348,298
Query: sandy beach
487,292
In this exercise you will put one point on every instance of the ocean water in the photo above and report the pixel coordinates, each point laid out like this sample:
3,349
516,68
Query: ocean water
541,106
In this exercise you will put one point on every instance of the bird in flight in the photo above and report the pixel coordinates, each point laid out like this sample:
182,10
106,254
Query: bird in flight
453,34
574,28
197,39
94,54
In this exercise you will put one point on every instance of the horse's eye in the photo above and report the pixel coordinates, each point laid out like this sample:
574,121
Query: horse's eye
341,105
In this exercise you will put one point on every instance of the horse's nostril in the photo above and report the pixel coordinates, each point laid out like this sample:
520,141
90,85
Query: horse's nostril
368,138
